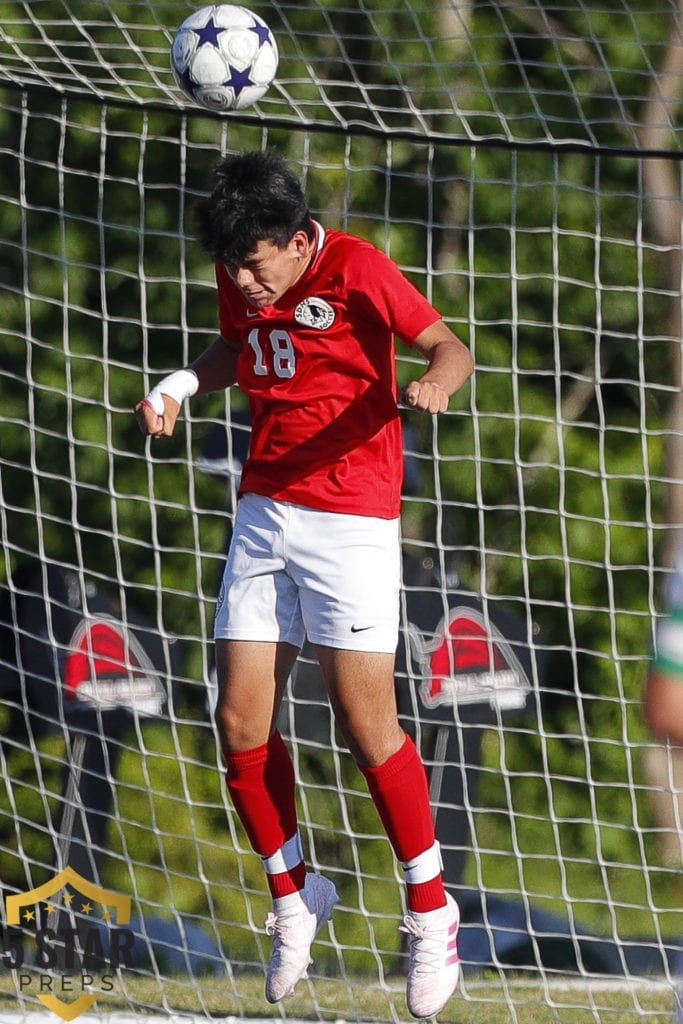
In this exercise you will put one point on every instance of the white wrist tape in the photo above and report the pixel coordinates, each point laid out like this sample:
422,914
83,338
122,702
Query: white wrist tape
180,384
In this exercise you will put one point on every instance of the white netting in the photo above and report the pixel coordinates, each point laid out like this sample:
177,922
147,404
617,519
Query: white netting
510,69
507,156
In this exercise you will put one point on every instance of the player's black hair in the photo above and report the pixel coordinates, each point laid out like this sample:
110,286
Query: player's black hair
256,198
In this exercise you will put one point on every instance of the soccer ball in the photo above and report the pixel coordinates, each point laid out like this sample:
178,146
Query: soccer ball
224,57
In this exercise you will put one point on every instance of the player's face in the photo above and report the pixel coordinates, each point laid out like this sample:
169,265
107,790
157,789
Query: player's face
268,272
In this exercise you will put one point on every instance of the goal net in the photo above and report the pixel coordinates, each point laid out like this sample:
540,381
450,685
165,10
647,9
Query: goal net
521,162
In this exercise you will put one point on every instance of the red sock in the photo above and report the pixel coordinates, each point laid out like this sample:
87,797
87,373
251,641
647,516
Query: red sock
400,792
261,784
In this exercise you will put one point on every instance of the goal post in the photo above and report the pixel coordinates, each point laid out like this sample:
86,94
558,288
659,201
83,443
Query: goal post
503,157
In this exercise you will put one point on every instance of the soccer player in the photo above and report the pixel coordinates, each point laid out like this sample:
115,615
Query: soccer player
307,324
664,692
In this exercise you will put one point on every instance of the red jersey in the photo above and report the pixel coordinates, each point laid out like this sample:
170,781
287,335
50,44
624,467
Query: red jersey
318,368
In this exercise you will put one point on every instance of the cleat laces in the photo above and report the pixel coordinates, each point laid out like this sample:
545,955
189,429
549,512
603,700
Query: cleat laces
426,946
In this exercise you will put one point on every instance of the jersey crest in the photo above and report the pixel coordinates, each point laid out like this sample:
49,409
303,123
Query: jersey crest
314,312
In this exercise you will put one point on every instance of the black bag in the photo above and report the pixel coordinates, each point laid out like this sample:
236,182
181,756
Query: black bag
66,653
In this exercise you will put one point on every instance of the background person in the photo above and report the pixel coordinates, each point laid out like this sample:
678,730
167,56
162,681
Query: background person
664,708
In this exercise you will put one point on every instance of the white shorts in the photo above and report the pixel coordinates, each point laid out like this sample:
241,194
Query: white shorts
295,572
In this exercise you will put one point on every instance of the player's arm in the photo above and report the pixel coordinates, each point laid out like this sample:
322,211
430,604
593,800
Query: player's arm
450,365
664,688
214,370
664,705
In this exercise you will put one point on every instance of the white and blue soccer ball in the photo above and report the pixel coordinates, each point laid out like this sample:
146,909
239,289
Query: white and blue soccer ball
224,57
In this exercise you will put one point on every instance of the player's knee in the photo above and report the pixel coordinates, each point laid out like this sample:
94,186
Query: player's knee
230,727
240,730
372,744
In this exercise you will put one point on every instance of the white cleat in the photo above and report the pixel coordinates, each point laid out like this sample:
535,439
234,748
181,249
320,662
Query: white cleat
294,934
434,967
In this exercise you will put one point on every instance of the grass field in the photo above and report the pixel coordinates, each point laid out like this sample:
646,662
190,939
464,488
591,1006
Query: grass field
479,1001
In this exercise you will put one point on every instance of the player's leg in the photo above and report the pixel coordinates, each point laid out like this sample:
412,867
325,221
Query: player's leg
261,782
258,633
348,572
362,694
252,677
259,773
260,779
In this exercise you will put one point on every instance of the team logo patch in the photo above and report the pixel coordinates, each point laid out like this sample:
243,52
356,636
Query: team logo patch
315,312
